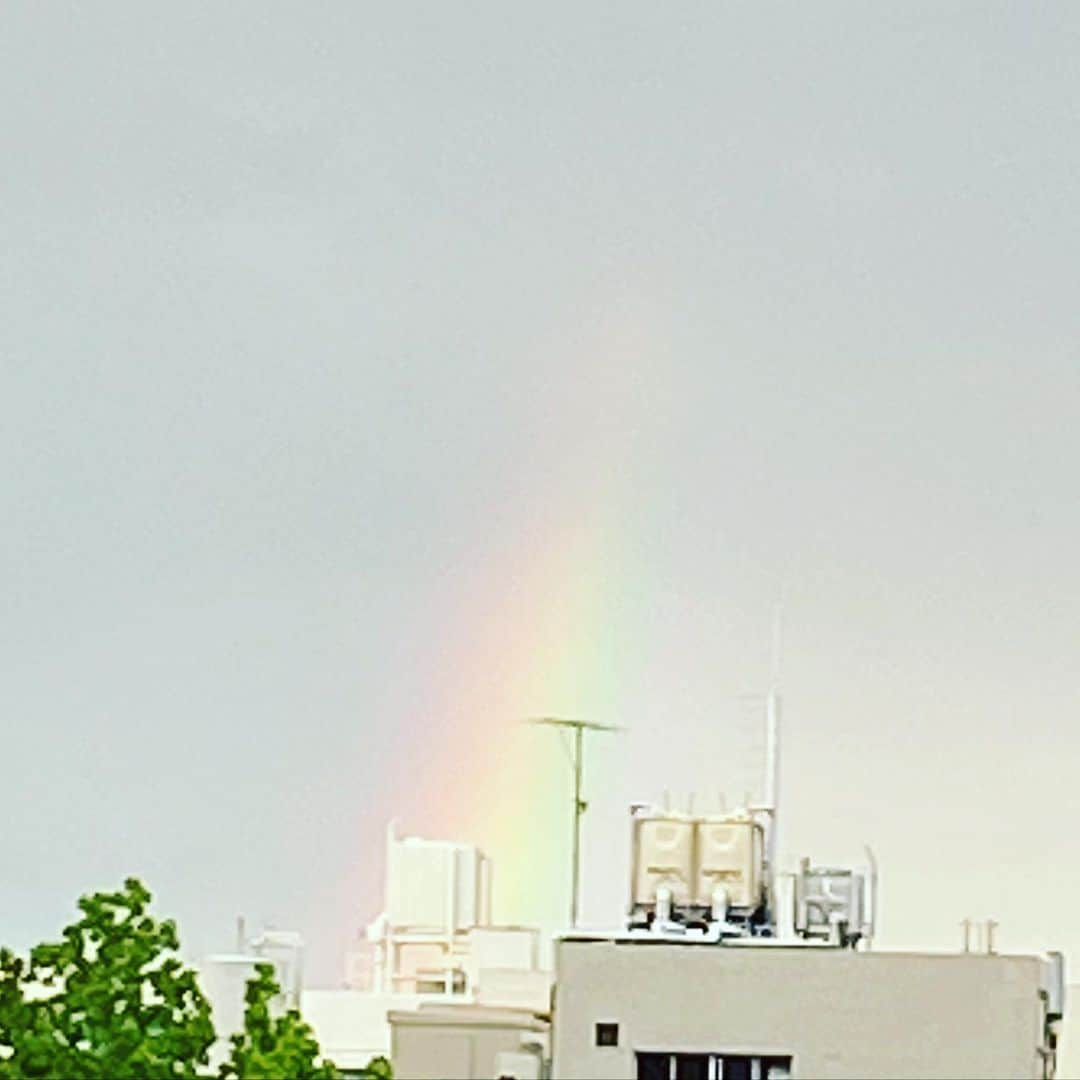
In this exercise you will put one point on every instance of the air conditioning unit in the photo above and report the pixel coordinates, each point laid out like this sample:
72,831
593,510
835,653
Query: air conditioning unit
831,904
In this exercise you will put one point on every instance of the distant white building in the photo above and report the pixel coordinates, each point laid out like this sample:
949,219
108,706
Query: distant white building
224,978
434,947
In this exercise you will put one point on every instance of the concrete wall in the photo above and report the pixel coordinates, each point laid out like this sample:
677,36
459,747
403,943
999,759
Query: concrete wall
351,1026
838,1013
457,1043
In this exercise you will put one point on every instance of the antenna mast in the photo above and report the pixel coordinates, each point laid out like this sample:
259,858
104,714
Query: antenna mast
772,750
579,727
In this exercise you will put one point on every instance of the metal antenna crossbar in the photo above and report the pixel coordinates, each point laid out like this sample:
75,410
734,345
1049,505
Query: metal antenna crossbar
578,727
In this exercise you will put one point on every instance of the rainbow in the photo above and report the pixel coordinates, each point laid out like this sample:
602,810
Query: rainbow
536,645
537,625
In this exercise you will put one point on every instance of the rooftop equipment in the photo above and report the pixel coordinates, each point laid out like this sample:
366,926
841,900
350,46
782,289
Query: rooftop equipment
716,873
831,904
435,886
436,893
695,871
578,727
716,876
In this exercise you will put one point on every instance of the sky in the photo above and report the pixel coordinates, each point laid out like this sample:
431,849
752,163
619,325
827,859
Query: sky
374,376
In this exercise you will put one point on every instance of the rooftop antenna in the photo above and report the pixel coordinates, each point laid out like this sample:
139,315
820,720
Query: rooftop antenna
770,805
578,727
772,739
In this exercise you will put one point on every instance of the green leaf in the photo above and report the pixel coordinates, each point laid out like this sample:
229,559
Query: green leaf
101,1020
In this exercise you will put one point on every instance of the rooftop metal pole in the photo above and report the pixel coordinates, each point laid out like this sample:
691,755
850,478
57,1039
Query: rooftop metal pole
579,728
772,771
579,809
772,755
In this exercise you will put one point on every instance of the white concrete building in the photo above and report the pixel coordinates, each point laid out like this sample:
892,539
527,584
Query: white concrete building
725,968
434,947
730,970
635,1010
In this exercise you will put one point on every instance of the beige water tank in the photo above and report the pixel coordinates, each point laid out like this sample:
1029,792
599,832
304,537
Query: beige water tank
663,856
729,854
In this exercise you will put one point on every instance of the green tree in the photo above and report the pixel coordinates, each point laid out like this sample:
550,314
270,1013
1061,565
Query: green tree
110,1001
378,1068
273,1047
25,1044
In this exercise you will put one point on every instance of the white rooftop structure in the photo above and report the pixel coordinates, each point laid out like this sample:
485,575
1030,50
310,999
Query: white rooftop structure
434,947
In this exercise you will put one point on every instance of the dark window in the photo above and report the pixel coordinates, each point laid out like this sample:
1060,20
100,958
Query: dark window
607,1034
654,1067
737,1068
692,1067
658,1065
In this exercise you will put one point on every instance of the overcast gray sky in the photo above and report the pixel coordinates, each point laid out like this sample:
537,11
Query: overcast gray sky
342,341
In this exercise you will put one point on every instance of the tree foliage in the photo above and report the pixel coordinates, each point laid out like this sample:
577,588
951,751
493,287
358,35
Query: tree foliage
273,1047
378,1068
111,1000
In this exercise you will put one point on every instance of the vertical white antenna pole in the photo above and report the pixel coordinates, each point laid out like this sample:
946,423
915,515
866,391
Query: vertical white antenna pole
772,750
772,766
